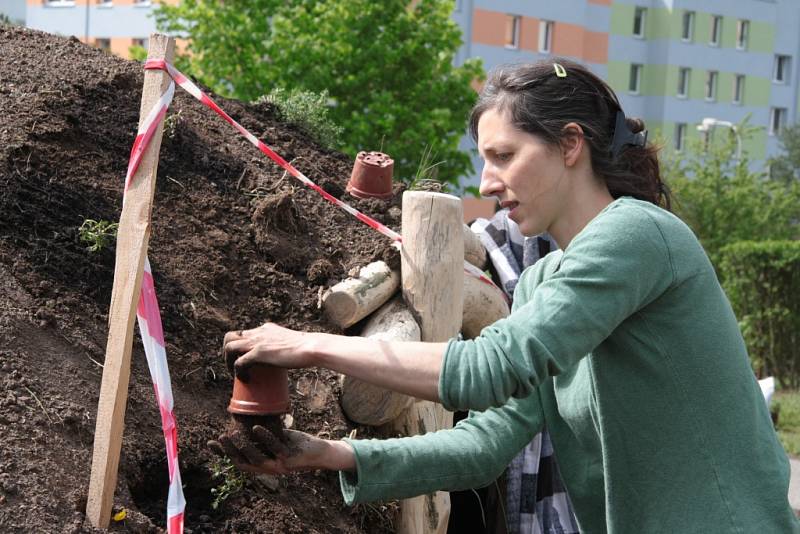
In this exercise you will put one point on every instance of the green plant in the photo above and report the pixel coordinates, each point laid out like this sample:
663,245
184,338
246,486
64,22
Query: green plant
137,53
389,67
787,403
232,481
307,110
97,234
171,124
762,280
724,200
427,173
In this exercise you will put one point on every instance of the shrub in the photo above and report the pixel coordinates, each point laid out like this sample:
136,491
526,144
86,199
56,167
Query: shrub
307,110
762,280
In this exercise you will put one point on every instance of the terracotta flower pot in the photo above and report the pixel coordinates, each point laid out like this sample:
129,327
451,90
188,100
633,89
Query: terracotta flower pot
265,392
371,176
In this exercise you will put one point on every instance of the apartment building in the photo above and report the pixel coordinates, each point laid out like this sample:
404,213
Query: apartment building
673,63
113,25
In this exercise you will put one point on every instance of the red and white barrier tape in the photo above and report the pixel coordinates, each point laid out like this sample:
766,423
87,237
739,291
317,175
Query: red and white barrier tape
148,314
149,319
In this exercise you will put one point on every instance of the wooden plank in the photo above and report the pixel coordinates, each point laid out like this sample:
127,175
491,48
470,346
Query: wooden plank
132,238
432,271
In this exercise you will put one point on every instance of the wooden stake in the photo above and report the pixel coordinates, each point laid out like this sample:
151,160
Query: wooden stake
132,239
432,270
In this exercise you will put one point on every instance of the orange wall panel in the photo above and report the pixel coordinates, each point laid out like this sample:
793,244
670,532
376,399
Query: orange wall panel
120,46
488,27
576,41
478,207
567,40
529,34
601,2
595,47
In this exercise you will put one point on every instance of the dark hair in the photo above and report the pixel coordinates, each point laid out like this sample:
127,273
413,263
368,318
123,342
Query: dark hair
541,103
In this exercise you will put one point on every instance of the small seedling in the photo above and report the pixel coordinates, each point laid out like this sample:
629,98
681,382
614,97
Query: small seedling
171,124
98,234
231,484
425,178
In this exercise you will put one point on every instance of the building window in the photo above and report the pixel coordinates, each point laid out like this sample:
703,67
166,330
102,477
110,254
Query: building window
59,3
512,31
141,3
680,136
777,120
141,41
742,34
687,32
104,3
545,36
781,71
635,82
683,82
639,15
738,88
711,85
716,30
103,43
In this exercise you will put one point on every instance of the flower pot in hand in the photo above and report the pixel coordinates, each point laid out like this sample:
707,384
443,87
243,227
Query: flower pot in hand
371,176
265,392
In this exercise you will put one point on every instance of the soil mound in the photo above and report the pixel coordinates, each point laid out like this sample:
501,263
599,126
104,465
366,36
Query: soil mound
234,243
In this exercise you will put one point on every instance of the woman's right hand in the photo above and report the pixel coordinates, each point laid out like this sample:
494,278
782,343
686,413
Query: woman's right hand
268,344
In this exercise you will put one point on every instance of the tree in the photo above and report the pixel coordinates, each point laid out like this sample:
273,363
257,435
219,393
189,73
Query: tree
724,201
387,67
786,166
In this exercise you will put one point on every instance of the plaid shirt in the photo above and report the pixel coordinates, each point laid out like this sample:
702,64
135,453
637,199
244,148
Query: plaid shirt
536,502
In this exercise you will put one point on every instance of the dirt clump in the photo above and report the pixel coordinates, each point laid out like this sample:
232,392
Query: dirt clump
234,243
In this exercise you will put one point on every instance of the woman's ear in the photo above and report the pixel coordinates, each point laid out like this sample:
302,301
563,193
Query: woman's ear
572,143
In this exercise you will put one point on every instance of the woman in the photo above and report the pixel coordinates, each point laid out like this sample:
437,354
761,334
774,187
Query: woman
624,344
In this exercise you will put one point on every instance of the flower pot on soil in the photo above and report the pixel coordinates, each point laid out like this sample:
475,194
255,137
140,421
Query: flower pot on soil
371,176
265,392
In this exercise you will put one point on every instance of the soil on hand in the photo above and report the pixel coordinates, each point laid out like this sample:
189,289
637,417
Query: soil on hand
235,242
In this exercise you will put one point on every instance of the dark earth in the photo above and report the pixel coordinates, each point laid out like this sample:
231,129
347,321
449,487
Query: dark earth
234,243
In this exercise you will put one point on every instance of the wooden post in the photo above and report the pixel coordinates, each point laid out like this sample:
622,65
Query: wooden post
132,239
432,270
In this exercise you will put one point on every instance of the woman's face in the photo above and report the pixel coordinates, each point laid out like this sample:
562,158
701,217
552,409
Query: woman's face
522,171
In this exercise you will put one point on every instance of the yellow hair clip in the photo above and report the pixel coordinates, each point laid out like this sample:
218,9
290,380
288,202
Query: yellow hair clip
560,71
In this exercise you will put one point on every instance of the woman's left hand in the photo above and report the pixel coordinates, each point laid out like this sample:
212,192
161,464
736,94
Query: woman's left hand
268,344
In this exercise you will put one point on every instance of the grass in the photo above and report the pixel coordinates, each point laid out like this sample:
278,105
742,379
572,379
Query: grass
788,404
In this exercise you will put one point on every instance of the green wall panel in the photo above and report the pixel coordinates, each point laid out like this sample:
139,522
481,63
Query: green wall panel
762,37
757,91
654,80
622,19
702,27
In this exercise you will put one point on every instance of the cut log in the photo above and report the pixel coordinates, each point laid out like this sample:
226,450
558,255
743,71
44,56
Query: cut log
483,305
352,299
474,251
373,405
432,267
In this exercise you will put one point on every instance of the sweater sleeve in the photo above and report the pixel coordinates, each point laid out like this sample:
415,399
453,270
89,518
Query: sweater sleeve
613,268
470,455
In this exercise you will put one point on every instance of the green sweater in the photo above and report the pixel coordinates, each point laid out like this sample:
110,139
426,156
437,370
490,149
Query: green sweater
626,347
